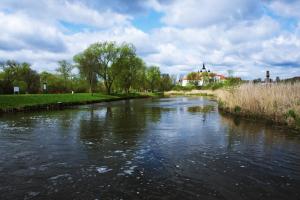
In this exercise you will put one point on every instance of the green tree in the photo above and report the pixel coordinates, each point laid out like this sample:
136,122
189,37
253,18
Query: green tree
166,82
19,74
55,83
153,77
65,68
194,78
87,65
130,67
30,77
107,56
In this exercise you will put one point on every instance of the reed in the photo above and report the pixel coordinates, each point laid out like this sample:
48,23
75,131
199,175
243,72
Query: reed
276,102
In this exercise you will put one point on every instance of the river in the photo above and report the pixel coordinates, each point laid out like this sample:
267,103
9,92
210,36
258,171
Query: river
168,148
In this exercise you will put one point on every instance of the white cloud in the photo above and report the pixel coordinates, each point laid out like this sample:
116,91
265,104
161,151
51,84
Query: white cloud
233,34
287,8
21,32
200,13
70,11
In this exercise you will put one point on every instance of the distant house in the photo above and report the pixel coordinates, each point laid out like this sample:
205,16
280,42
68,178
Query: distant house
201,78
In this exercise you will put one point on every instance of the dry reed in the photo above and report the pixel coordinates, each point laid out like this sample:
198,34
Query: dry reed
277,102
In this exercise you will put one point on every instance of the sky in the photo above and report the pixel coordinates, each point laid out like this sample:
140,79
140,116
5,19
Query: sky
246,36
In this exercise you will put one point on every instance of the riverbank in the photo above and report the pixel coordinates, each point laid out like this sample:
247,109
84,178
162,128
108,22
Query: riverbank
30,102
190,93
275,103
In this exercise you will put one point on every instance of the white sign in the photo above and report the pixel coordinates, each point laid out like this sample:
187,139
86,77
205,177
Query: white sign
16,89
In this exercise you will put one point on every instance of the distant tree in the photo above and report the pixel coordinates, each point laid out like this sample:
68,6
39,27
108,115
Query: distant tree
140,82
65,68
230,73
130,67
19,74
153,77
107,56
30,77
55,83
193,78
258,80
166,82
88,67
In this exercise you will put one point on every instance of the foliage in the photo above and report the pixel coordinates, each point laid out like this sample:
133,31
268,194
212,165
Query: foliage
65,69
184,88
105,66
131,69
193,78
166,82
229,82
87,66
153,78
21,75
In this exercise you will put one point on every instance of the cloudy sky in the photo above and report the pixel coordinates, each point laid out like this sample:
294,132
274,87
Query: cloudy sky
247,36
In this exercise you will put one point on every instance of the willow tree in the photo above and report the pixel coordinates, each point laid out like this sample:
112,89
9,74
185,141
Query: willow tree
130,68
106,56
87,65
153,77
65,68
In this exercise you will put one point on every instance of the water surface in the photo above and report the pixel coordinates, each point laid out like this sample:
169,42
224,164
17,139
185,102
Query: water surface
169,148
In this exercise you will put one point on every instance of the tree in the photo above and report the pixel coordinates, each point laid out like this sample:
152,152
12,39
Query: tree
230,73
193,78
130,67
107,56
87,65
65,69
153,77
166,82
19,74
30,77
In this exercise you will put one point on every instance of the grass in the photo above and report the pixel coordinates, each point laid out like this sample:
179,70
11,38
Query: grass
30,100
189,93
275,102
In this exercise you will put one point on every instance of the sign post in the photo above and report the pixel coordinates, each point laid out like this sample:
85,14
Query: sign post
45,87
16,90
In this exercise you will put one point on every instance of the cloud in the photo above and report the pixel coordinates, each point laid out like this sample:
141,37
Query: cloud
201,13
286,8
21,32
248,36
70,11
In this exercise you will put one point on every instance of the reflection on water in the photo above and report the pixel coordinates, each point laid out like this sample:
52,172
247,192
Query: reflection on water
170,148
202,109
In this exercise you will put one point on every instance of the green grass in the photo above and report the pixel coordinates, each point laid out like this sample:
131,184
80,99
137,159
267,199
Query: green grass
23,100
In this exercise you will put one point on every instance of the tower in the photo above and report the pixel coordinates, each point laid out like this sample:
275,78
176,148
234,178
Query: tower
267,76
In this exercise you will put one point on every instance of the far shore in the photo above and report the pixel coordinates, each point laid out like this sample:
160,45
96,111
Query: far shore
190,93
278,104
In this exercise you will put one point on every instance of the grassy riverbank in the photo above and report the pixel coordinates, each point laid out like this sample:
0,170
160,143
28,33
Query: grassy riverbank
43,101
279,103
190,93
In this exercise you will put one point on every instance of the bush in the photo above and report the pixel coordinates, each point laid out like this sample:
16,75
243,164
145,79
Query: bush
185,88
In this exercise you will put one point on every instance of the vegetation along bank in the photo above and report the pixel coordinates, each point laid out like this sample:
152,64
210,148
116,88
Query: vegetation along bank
278,103
30,102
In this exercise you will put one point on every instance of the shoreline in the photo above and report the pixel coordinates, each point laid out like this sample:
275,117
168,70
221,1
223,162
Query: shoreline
282,120
67,104
255,118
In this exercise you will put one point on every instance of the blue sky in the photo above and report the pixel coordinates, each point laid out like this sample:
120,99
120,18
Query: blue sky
247,36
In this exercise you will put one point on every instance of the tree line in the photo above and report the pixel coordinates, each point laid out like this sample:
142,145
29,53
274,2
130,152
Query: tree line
102,67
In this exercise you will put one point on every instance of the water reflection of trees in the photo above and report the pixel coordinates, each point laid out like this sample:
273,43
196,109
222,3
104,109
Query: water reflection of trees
123,120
